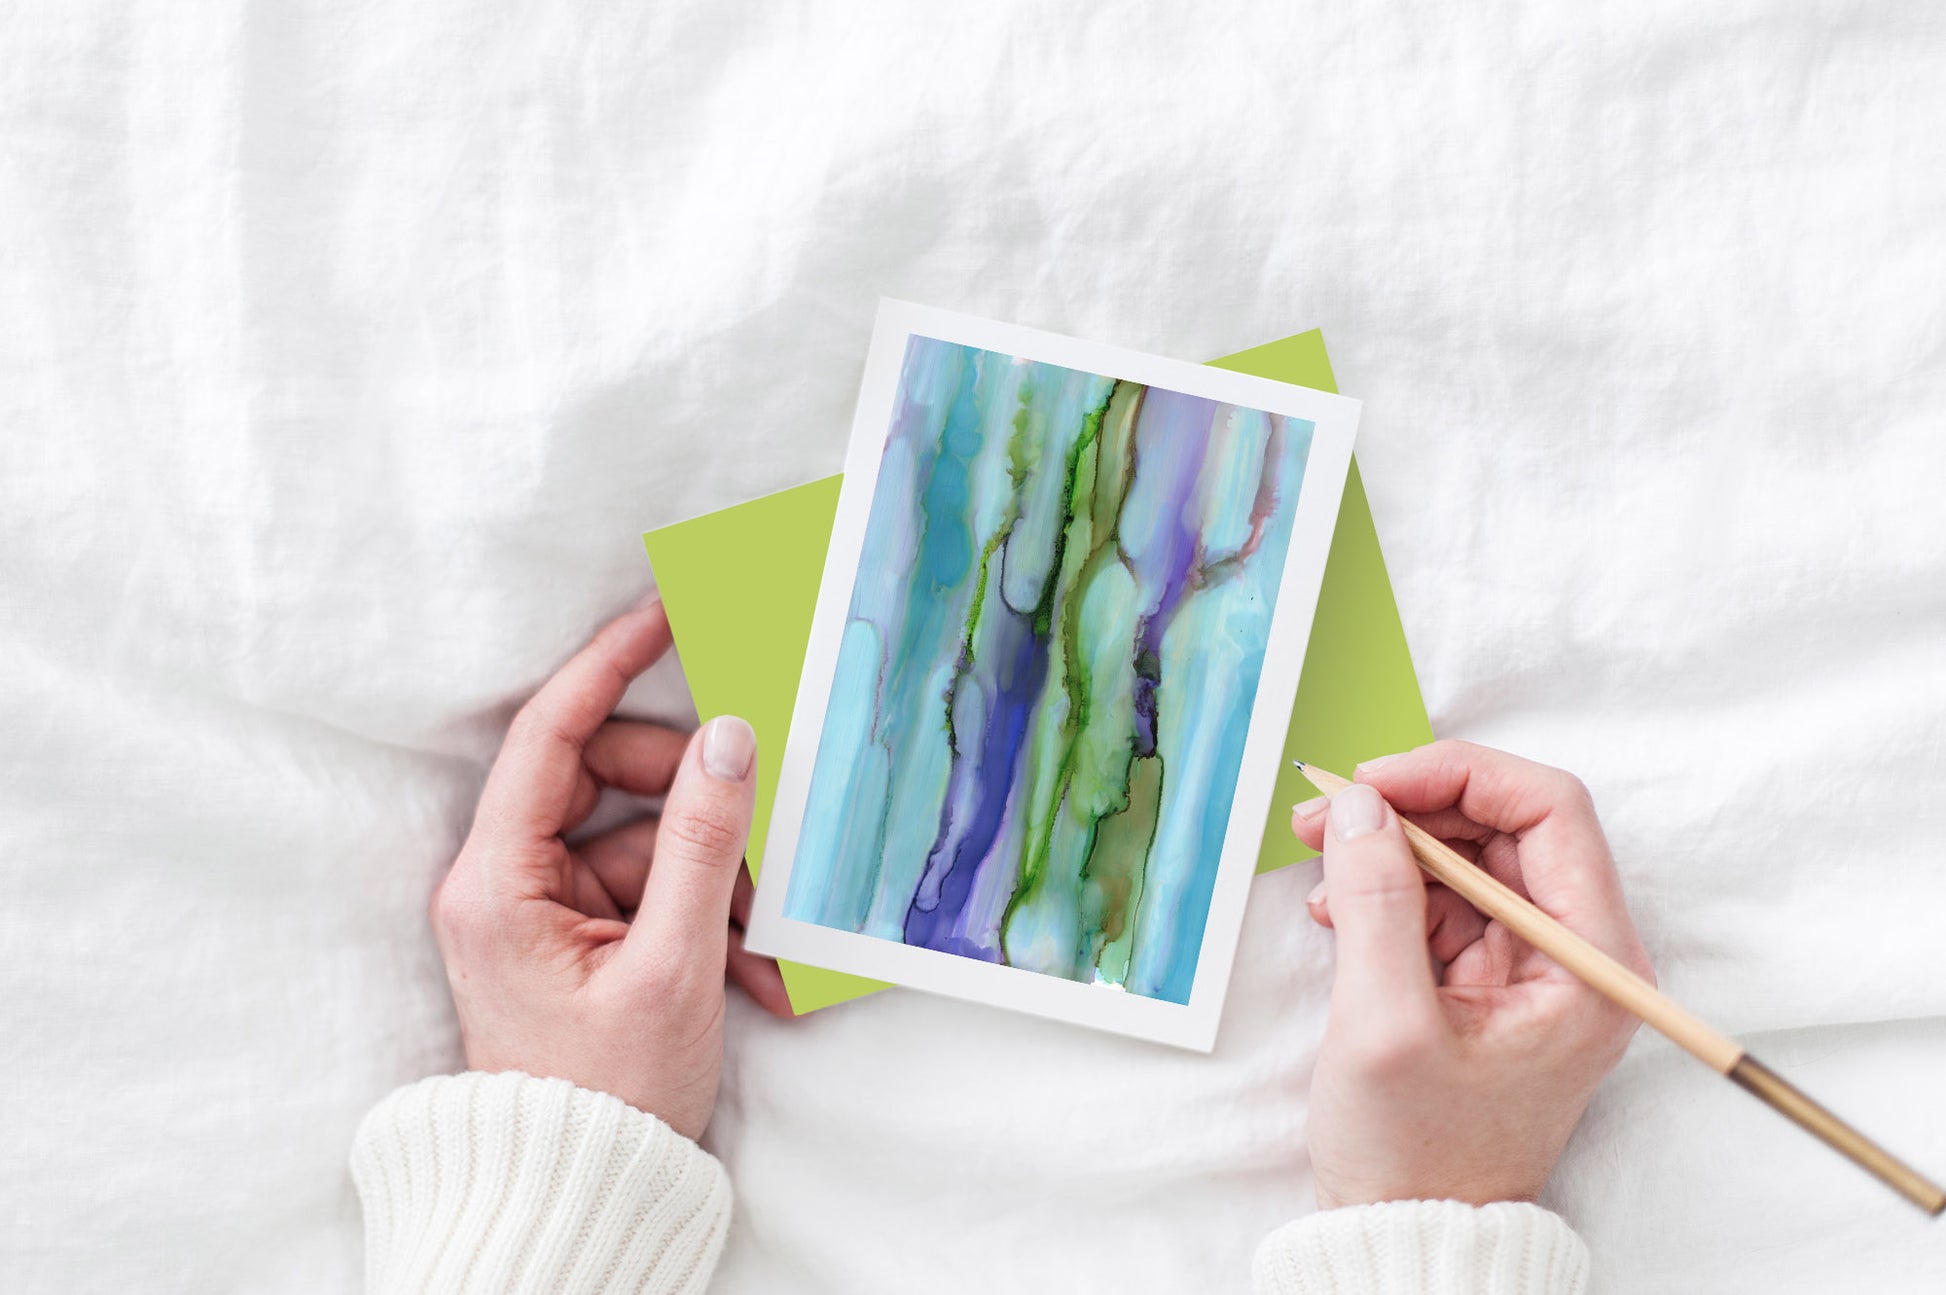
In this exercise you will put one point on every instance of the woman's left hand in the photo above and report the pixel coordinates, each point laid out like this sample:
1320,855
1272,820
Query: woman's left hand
604,963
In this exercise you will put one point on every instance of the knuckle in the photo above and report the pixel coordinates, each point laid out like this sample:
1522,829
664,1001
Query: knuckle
527,724
1603,1032
670,978
1449,761
1577,1022
711,832
455,910
1388,1052
1382,889
1575,792
658,972
533,725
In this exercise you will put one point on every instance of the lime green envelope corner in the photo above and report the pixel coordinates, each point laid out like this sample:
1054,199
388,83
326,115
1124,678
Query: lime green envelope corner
740,586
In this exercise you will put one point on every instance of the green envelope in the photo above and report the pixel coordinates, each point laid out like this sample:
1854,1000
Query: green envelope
740,586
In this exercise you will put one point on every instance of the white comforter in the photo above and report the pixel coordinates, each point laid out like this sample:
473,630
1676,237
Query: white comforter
345,348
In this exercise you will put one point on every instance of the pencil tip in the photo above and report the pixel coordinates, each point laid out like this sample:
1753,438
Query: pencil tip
1298,763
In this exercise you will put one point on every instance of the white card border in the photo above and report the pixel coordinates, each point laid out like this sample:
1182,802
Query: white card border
1194,1024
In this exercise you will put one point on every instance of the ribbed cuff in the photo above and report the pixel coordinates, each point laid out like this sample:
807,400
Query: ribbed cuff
505,1182
1440,1247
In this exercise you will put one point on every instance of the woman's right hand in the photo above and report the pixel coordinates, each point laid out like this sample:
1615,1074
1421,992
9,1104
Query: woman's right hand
1457,1059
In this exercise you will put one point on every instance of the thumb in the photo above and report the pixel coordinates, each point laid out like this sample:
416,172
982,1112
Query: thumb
1378,907
685,913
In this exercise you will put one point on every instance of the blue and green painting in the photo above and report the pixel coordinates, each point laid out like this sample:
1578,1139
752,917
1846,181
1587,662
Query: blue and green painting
1054,641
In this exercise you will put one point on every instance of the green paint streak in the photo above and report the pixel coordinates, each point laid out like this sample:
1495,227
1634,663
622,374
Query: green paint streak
1068,676
991,547
1115,466
1081,490
1115,871
1023,447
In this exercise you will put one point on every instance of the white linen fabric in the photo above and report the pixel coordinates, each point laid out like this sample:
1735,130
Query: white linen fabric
346,347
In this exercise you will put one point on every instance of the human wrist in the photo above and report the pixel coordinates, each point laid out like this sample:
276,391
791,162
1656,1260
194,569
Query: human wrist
1506,1248
508,1181
1480,1183
1486,1188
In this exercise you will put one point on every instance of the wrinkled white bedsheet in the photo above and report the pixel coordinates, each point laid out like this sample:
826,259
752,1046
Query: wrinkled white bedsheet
345,348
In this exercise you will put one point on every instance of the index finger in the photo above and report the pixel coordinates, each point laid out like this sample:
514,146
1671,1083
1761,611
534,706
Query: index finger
1494,789
531,787
1564,860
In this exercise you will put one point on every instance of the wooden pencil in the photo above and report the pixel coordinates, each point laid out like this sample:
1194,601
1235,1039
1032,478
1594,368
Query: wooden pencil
1638,997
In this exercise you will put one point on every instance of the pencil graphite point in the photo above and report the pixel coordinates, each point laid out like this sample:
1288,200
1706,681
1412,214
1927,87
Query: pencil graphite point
1299,764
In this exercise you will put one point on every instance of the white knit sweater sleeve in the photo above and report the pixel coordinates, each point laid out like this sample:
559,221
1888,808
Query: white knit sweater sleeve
1437,1247
505,1182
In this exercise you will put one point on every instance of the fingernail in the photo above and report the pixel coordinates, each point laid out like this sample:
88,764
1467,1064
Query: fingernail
1317,894
729,747
1375,763
1357,811
1310,808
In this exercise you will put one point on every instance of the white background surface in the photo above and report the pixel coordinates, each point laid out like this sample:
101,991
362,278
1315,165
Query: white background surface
346,348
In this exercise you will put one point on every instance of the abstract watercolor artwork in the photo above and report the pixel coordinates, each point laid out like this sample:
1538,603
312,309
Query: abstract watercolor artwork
1056,649
1027,749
